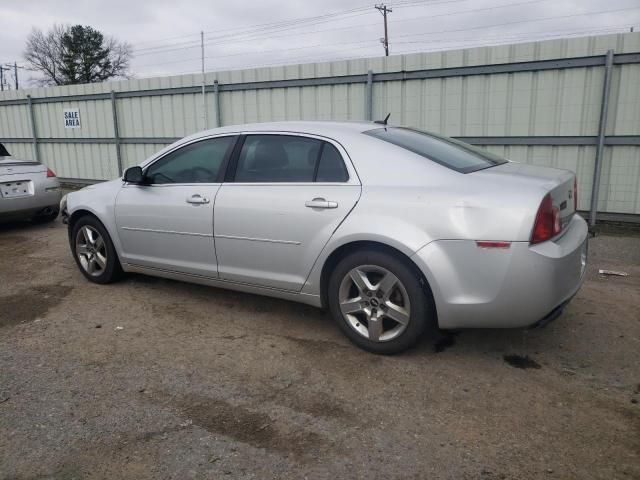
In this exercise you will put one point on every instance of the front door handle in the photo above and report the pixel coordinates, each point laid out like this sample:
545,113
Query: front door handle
197,199
320,203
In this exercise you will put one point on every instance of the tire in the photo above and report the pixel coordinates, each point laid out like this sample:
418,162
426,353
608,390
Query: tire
373,309
46,218
94,252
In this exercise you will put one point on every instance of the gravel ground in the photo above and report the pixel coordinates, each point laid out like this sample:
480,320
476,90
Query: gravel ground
150,378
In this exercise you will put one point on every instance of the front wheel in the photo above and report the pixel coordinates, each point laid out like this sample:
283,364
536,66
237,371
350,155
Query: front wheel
379,302
93,251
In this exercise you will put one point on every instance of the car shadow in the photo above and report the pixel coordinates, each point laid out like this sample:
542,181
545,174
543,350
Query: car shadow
242,302
299,319
21,226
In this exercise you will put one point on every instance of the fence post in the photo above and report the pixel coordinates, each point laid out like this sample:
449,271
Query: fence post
116,131
216,99
368,101
34,133
602,130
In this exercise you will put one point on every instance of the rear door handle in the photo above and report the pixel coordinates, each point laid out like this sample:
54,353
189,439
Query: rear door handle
320,203
197,199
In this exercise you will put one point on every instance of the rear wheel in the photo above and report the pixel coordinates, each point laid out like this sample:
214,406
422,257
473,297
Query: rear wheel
93,251
378,301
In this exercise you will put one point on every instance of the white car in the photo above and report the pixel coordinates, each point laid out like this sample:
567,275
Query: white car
390,228
28,190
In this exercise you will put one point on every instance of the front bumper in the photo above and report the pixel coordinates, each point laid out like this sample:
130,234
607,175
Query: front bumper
64,213
500,288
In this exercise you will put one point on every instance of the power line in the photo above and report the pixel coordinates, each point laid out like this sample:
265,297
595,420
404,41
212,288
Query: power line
278,26
251,33
290,22
256,52
519,21
348,27
243,36
469,43
403,36
543,35
460,29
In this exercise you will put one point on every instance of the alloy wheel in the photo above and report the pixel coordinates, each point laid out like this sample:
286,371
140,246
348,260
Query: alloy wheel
374,302
91,250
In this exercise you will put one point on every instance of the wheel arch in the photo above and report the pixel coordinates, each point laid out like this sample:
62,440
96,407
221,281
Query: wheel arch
343,250
84,212
78,214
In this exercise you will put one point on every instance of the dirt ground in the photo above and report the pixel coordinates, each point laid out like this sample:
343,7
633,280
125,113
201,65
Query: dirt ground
150,378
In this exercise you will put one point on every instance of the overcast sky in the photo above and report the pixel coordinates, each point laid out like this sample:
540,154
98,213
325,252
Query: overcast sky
165,34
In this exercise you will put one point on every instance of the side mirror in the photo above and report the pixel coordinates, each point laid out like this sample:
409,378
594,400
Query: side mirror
133,175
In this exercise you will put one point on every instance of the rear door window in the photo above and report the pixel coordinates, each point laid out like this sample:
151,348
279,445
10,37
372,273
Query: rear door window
288,159
456,155
277,158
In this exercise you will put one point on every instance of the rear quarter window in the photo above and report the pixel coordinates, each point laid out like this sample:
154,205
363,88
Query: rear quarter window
453,154
331,166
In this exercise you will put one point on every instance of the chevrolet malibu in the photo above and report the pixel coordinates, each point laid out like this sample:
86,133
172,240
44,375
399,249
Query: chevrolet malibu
390,228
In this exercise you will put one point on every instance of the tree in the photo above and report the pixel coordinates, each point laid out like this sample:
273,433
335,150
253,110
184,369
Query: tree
68,55
44,54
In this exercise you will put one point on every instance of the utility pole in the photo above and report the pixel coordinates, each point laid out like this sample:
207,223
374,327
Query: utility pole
204,96
383,9
4,78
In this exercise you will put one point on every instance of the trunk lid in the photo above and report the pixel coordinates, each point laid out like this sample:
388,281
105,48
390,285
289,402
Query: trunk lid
559,183
11,167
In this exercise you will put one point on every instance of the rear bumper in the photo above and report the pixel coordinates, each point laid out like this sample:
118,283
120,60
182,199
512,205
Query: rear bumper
551,316
29,213
499,288
47,194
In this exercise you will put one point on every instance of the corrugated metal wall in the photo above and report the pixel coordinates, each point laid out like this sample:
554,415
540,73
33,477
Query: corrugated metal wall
553,103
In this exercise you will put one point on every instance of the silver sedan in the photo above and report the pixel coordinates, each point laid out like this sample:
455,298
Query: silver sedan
390,228
28,190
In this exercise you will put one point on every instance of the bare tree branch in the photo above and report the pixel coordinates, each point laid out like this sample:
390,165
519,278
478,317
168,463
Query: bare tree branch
68,55
43,53
120,56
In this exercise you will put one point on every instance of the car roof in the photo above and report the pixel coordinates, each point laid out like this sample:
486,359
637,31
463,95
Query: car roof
329,129
338,131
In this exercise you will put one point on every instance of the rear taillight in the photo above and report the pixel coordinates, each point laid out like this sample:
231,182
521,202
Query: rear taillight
50,173
547,224
575,194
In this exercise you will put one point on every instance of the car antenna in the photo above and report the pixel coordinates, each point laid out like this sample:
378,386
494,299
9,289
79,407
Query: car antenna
383,122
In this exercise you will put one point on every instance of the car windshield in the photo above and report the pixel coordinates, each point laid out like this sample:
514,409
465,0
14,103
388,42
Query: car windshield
456,155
